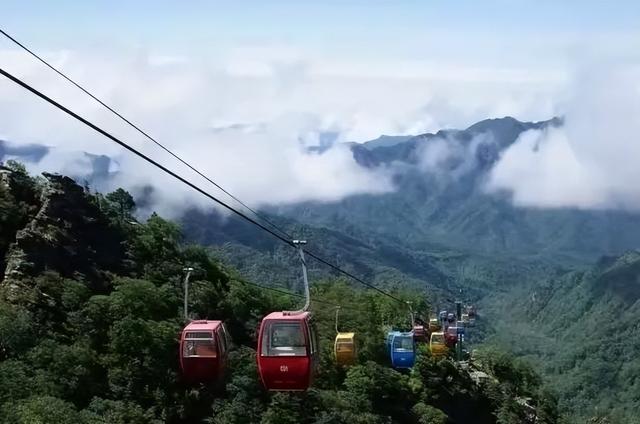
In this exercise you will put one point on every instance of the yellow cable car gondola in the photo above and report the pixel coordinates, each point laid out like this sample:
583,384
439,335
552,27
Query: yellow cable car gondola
437,345
434,325
344,347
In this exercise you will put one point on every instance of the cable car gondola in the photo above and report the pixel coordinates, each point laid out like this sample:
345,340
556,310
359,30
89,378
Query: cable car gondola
402,349
345,349
451,336
402,345
344,346
204,345
437,345
451,318
420,334
434,325
471,310
203,351
287,352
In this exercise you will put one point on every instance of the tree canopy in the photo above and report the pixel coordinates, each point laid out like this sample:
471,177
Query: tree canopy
100,345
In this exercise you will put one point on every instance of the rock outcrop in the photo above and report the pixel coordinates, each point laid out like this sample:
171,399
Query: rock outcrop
68,235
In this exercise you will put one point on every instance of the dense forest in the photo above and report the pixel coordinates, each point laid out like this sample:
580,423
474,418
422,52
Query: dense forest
91,312
580,330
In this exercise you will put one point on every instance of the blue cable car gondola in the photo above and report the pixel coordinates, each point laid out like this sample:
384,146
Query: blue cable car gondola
402,349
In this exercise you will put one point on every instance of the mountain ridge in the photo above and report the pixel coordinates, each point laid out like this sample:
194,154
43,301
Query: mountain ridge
446,203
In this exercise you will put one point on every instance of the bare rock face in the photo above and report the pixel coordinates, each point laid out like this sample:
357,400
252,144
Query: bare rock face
4,176
68,235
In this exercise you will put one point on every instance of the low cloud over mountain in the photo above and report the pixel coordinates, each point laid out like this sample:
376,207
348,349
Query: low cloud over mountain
273,130
589,162
248,116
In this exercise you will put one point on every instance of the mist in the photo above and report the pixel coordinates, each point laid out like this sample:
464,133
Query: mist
448,158
591,162
246,120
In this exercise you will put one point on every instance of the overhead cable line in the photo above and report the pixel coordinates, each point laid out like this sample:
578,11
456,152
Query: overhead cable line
186,182
257,214
273,289
144,133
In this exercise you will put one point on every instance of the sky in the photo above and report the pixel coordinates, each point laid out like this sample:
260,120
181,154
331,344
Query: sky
242,89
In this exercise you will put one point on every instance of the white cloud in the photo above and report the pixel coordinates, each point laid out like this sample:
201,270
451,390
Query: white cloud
264,167
590,162
246,118
449,158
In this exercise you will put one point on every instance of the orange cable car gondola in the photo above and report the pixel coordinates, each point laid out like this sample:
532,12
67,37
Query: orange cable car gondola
287,352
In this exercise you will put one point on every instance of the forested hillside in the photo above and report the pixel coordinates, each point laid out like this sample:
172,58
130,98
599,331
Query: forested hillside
90,315
581,331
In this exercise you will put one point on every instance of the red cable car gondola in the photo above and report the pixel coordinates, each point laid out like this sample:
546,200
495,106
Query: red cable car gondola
203,351
451,336
420,334
287,352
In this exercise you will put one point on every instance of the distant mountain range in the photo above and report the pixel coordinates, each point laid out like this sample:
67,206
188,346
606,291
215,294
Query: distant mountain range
386,141
444,204
498,134
447,206
26,153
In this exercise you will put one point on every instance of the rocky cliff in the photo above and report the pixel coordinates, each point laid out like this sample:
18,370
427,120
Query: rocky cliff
68,235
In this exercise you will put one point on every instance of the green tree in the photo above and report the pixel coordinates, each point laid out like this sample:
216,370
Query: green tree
284,408
16,381
40,410
105,411
122,204
73,371
156,250
427,414
16,331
